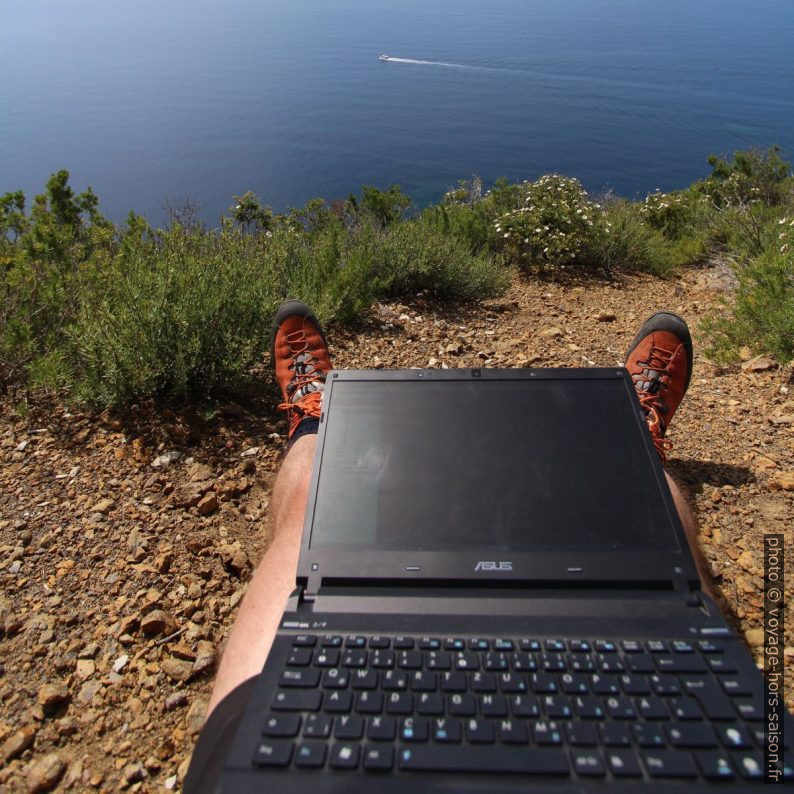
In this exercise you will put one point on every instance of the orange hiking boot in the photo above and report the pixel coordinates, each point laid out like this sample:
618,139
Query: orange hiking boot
301,361
660,364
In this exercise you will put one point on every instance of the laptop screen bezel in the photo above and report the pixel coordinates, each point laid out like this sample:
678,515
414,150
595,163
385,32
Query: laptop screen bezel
371,566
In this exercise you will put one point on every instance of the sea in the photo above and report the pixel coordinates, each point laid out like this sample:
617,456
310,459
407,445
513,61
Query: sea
156,102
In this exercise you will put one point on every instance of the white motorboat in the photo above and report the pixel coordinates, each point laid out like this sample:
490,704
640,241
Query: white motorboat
385,58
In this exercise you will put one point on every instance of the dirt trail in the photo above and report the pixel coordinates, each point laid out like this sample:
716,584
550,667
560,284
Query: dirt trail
126,541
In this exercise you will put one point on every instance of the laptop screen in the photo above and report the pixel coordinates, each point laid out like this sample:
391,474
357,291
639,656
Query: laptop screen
458,465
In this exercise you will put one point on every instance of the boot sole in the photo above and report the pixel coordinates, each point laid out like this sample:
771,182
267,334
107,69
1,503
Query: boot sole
672,323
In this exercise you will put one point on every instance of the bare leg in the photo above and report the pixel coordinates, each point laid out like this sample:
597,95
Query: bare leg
260,613
691,529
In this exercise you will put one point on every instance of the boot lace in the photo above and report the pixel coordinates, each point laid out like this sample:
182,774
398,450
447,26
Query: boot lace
651,381
303,383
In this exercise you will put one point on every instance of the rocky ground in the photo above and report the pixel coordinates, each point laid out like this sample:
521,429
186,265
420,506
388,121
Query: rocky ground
126,540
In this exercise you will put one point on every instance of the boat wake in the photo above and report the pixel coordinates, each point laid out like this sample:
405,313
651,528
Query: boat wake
418,62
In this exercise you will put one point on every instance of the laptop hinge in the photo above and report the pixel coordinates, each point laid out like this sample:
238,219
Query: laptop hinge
688,588
297,597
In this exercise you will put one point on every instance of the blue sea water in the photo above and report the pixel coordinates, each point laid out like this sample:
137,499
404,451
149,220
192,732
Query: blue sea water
156,100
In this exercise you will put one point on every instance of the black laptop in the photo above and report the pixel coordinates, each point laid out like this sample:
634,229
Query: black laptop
495,594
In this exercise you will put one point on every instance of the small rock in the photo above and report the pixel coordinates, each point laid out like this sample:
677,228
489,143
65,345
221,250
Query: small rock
51,696
195,715
177,669
209,504
158,622
134,772
745,354
787,419
102,506
166,459
782,481
250,452
205,657
170,783
17,743
754,637
759,364
85,668
606,317
89,691
120,663
176,700
44,773
552,331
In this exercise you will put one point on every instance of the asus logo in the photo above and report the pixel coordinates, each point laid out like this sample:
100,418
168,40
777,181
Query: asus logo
492,565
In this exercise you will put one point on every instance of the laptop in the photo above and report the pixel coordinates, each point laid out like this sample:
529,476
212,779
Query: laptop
495,594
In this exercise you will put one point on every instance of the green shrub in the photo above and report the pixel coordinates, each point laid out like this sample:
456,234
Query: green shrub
554,228
675,214
761,314
413,257
753,176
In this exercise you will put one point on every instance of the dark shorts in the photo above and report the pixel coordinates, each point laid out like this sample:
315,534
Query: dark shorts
215,740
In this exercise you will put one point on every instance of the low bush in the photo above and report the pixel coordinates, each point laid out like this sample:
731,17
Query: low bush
761,313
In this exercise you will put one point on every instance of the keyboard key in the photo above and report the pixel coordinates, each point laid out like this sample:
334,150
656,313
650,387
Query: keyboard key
304,679
327,658
478,644
685,708
382,659
446,729
529,645
310,755
553,662
631,646
682,646
297,700
454,644
749,764
503,645
546,733
399,703
355,641
587,763
415,729
690,734
721,664
680,663
604,684
483,682
647,734
318,726
381,729
656,646
488,758
349,727
557,646
524,706
665,685
574,683
369,703
331,641
430,644
479,731
713,701
453,682
466,660
623,763
393,680
493,705
438,660
523,662
714,765
409,660
579,646
354,658
336,678
512,732
495,661
653,708
633,684
735,686
299,657
423,681
735,737
580,734
430,704
749,710
286,725
344,756
461,705
588,707
605,646
379,642
669,763
640,663
378,757
403,643
607,663
338,702
512,683
304,641
710,646
620,708
364,679
614,735
542,683
556,706
273,753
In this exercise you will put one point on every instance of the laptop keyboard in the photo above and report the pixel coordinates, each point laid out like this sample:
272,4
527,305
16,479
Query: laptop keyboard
576,707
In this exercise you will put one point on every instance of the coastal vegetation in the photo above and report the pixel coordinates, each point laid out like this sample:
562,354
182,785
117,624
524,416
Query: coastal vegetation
109,314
